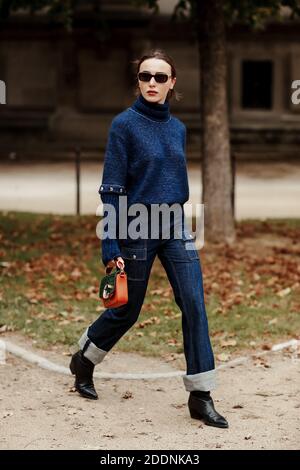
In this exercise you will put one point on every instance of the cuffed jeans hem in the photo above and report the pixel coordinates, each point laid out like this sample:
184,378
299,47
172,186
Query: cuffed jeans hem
204,381
92,352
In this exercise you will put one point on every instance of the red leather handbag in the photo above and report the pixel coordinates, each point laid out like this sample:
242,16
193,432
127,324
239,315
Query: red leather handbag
113,288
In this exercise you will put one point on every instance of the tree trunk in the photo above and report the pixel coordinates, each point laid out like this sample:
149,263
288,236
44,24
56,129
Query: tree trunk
216,162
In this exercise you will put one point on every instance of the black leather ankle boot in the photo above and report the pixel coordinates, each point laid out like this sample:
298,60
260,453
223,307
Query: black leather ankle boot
202,407
83,370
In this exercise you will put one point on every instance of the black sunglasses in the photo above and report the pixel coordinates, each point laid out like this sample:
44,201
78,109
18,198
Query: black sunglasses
159,77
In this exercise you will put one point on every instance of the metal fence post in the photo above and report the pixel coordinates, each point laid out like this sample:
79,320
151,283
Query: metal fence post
77,165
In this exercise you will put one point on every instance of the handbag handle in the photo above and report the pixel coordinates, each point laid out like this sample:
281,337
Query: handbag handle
109,269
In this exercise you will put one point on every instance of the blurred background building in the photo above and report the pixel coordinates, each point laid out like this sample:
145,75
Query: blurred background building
64,89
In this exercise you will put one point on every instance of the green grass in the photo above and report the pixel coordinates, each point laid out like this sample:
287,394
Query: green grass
51,268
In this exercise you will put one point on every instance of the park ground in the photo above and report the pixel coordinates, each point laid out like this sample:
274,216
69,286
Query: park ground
50,271
40,410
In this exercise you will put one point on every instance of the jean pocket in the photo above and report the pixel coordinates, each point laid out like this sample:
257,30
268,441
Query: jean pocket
135,262
188,241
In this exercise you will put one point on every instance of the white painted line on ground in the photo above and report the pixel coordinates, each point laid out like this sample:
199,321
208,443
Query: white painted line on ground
2,352
49,365
276,347
287,344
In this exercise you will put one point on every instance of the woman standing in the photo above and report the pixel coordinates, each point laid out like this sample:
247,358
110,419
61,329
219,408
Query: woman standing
145,162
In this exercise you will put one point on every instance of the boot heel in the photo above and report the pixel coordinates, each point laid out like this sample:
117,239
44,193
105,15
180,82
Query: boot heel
195,415
72,368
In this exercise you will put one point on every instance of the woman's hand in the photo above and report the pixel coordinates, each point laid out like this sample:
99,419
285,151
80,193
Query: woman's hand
120,263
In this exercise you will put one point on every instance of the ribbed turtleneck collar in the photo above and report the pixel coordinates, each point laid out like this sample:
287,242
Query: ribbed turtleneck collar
154,111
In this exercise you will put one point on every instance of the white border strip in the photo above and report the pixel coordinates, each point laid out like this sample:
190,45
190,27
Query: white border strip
45,364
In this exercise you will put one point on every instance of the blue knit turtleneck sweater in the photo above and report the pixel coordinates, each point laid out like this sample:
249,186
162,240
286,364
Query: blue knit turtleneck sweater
144,160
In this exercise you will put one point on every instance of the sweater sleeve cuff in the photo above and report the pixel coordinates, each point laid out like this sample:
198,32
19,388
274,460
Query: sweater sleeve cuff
112,188
110,250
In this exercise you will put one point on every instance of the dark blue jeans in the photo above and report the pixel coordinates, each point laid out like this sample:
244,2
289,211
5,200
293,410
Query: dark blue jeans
181,262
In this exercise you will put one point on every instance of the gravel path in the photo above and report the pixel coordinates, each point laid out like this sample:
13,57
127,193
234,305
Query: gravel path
39,409
262,189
